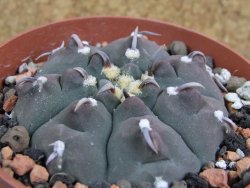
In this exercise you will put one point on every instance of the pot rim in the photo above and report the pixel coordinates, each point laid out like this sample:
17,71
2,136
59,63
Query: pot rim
64,21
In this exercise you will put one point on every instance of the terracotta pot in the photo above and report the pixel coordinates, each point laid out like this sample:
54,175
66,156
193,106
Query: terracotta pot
98,29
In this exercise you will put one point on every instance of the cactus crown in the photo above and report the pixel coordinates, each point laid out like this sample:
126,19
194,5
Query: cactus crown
125,111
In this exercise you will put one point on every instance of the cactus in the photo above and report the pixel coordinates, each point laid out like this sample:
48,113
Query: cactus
125,111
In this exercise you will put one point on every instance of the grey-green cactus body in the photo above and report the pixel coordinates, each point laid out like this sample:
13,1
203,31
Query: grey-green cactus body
130,111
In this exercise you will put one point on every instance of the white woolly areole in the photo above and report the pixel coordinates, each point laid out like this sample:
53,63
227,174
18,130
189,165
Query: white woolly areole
232,97
58,147
85,50
118,93
144,123
186,59
132,54
90,81
138,34
219,115
237,105
134,87
221,164
172,90
111,72
39,82
124,81
146,76
160,183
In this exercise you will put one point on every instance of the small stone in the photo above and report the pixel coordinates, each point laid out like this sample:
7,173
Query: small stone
178,48
37,155
193,180
232,156
10,80
248,143
234,83
8,171
7,153
245,132
232,97
124,184
179,184
59,184
232,177
39,174
17,137
232,165
9,104
246,178
42,185
21,164
5,163
24,75
79,185
242,165
11,92
233,142
216,177
244,91
221,164
63,177
209,164
114,186
221,152
240,153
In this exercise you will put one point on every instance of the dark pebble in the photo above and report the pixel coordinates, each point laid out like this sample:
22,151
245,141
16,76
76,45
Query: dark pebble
42,185
233,142
100,185
246,177
210,62
63,177
9,122
246,109
124,184
221,152
178,48
25,179
195,181
241,118
2,145
37,155
1,96
3,130
238,185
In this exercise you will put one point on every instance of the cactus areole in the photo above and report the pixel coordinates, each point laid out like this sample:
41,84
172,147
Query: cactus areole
128,110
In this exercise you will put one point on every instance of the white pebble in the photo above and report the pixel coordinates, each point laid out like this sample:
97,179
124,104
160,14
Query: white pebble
232,164
221,164
245,102
237,105
160,183
10,80
244,91
232,97
240,153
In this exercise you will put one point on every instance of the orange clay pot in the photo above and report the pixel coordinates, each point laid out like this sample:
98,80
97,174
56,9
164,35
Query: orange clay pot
99,29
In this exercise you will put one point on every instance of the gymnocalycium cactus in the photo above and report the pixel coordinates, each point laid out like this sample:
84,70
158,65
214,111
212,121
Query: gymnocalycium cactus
125,111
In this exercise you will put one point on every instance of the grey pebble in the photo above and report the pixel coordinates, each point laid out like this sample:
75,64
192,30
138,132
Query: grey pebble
246,178
217,70
234,83
178,48
179,184
17,137
124,184
9,93
3,130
